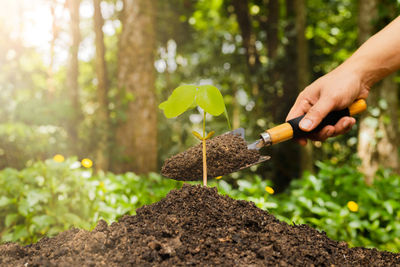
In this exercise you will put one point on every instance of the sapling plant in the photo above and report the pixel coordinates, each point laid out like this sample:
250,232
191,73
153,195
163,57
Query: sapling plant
186,97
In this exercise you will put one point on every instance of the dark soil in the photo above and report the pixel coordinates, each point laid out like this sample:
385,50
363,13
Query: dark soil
194,226
225,154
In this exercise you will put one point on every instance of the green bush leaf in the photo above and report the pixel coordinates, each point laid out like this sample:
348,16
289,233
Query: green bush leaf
210,99
20,232
43,220
179,101
10,219
4,201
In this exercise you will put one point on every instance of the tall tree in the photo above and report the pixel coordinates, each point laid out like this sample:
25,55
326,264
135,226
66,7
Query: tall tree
271,27
378,133
137,132
103,123
285,157
303,73
241,8
55,32
73,72
249,39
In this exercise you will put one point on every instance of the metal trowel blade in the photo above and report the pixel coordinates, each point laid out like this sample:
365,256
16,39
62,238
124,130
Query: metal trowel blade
253,146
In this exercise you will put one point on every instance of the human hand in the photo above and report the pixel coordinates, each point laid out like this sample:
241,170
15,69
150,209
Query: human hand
333,91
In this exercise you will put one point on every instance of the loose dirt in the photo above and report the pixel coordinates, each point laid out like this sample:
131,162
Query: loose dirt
194,226
225,154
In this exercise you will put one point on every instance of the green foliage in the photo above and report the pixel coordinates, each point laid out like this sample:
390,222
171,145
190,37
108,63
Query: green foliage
208,97
181,99
44,199
49,197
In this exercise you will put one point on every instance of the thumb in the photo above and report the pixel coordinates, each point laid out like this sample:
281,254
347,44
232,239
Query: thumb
316,114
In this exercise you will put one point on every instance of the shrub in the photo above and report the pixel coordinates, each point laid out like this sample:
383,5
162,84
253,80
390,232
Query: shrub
51,196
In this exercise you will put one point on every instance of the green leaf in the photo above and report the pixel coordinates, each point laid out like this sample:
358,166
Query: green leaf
4,201
210,99
179,101
43,220
20,232
10,219
23,207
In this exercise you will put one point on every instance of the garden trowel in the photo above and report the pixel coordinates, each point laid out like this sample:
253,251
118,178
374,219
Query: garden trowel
275,135
291,129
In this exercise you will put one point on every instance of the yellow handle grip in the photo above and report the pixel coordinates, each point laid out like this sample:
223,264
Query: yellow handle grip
357,107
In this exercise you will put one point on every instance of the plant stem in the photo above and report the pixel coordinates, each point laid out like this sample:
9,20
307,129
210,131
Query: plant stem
204,152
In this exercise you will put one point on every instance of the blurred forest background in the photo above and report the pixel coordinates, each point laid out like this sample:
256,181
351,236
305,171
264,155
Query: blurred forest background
83,79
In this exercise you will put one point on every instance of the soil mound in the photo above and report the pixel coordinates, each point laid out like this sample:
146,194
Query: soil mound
194,226
225,153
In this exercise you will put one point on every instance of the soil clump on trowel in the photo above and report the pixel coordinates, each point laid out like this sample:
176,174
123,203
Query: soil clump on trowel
225,154
194,226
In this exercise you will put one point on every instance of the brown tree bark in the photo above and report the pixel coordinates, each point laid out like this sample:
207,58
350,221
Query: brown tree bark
241,8
249,39
378,136
271,27
286,156
303,74
136,135
102,113
73,73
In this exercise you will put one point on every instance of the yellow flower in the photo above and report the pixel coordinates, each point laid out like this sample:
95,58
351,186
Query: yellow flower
58,158
353,206
87,163
269,190
219,177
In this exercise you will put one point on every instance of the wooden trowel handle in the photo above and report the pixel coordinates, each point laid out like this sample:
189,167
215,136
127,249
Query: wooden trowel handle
291,129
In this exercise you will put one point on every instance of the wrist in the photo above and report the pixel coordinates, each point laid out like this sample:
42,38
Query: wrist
359,67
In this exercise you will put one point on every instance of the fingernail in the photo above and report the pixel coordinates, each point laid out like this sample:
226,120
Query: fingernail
345,124
306,124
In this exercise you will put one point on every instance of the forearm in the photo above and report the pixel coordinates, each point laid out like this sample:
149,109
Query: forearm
378,56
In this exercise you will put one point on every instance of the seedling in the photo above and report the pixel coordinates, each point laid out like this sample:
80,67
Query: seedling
207,97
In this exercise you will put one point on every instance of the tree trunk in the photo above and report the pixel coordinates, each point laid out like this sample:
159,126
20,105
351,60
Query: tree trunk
54,31
271,28
73,73
378,135
249,39
303,74
241,8
286,156
388,124
103,123
137,133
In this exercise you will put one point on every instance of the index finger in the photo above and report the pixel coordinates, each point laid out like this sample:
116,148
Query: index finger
300,107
